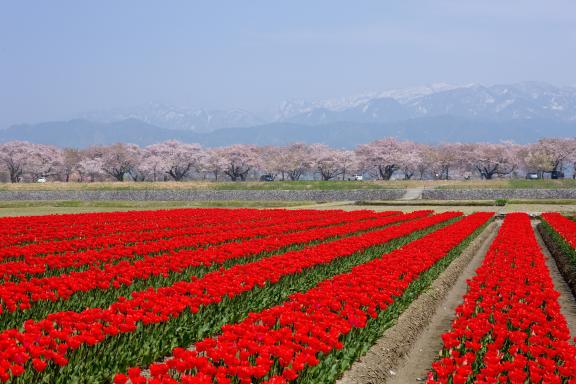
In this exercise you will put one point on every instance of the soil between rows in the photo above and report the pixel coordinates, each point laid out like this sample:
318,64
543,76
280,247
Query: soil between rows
406,351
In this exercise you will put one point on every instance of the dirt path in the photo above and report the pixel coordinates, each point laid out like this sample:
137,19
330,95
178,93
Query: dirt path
413,194
406,351
566,299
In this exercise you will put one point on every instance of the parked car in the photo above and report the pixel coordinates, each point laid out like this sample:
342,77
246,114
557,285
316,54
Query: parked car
532,176
556,175
267,177
357,177
41,180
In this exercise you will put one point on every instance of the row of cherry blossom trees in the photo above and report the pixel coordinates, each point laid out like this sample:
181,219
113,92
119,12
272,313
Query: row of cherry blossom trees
381,159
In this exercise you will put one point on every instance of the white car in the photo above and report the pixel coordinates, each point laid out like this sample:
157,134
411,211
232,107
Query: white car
41,180
357,177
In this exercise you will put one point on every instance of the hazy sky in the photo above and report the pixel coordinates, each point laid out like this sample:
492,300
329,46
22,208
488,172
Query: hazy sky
61,58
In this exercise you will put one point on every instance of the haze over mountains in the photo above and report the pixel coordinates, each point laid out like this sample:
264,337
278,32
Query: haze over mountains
521,112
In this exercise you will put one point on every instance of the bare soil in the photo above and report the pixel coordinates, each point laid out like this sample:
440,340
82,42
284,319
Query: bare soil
406,351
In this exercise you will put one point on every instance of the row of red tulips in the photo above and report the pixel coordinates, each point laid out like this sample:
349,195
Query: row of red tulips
121,235
21,230
53,338
509,328
563,225
150,243
57,228
278,344
94,231
22,295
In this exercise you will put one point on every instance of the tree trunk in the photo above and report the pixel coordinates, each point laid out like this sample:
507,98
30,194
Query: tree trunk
295,174
386,171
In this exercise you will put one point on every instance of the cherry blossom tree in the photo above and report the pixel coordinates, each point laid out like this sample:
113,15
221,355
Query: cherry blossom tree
271,160
493,159
240,159
91,164
212,163
557,151
326,161
445,157
180,159
383,156
14,156
22,158
296,160
120,159
412,160
70,162
348,162
153,167
44,160
91,168
547,155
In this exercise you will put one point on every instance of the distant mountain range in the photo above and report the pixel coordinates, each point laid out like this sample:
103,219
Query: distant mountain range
171,117
520,112
529,100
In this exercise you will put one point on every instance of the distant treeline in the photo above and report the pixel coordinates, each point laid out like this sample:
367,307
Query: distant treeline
389,158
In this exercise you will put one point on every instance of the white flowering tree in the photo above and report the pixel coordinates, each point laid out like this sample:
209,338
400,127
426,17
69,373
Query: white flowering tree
179,159
239,160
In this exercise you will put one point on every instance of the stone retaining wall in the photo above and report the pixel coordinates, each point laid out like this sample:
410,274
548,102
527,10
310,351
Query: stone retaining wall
492,194
195,195
334,195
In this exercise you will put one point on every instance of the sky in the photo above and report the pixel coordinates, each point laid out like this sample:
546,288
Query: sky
60,58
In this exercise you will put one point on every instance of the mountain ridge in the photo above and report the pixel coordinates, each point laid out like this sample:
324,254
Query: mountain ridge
520,112
432,130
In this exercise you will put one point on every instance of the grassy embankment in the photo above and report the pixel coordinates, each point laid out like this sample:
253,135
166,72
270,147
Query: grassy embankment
13,208
292,185
43,207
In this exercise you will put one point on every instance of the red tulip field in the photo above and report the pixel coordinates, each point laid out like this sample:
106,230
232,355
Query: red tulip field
509,328
274,296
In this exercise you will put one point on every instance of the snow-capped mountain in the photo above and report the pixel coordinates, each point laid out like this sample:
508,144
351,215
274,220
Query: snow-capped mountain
171,117
295,107
528,100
